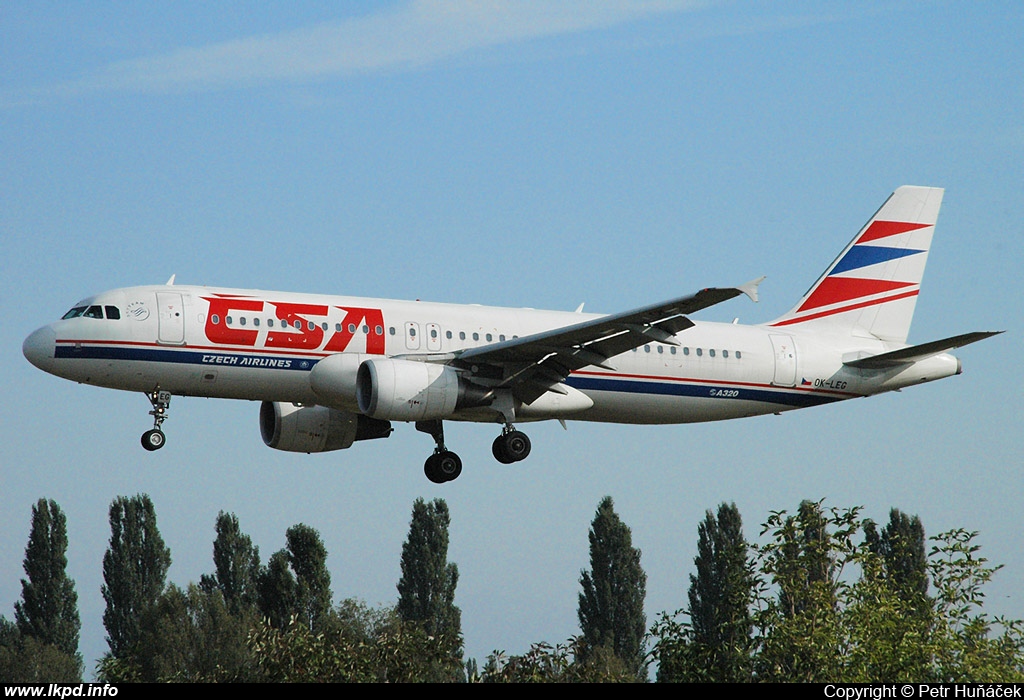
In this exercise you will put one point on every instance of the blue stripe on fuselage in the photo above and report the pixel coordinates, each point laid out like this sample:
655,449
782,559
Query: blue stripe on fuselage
187,357
725,391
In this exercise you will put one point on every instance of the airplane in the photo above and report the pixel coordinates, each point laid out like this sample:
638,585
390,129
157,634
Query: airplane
331,371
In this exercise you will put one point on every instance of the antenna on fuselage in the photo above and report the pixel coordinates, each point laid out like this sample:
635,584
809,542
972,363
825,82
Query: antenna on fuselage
170,282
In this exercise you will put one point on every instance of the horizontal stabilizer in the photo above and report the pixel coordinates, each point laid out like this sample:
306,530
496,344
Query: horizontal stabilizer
918,352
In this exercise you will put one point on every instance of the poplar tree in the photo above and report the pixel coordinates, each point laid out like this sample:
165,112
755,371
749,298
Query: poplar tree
426,590
48,610
901,545
237,565
134,570
296,581
611,604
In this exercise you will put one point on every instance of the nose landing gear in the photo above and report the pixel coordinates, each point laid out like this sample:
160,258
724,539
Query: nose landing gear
161,400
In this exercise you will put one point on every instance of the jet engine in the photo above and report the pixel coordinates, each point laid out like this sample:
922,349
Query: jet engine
295,428
411,391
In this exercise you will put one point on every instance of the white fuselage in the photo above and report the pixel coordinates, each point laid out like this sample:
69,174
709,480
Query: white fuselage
248,344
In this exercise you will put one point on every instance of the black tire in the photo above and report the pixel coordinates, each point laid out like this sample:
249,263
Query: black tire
449,465
433,473
498,450
153,440
516,446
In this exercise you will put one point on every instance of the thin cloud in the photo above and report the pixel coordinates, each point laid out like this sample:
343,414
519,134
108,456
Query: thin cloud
413,34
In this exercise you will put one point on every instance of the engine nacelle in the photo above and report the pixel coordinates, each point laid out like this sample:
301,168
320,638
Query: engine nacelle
293,428
333,380
411,391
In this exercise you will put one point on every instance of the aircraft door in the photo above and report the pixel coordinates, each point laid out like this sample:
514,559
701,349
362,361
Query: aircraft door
433,337
412,336
171,318
785,360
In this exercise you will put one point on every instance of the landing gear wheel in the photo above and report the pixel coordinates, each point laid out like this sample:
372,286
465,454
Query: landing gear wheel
161,400
441,467
153,439
498,450
511,446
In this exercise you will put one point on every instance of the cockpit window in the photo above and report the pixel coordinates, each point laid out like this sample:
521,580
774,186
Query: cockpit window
96,311
74,313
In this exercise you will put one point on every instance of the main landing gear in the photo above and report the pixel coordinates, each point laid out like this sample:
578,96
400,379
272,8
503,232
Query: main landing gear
511,446
155,439
444,465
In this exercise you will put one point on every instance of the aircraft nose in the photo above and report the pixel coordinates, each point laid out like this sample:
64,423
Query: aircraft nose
38,348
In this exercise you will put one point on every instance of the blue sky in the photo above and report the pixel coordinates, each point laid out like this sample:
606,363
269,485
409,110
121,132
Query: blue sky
523,154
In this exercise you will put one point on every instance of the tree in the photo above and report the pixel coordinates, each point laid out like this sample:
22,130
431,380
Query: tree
901,547
801,630
716,644
611,604
48,610
426,589
28,660
134,570
237,564
296,581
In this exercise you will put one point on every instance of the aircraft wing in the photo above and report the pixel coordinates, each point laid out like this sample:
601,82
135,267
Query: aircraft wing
538,363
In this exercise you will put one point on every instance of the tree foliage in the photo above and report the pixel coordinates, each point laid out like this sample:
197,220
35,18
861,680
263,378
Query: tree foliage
48,611
833,605
611,603
426,589
26,659
714,642
237,566
134,570
296,582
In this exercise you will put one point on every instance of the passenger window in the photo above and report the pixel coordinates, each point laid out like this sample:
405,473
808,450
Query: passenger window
113,313
298,325
391,330
256,322
725,354
738,355
215,319
270,323
686,351
241,321
489,337
661,349
227,320
476,336
378,330
711,352
366,330
462,335
699,352
448,335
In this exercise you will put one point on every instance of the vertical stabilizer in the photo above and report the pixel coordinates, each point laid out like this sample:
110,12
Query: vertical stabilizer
871,288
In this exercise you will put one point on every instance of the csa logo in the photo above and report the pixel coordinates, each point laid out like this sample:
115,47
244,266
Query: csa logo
138,310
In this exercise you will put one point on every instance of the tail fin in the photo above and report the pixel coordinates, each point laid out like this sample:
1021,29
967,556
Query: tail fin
871,288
